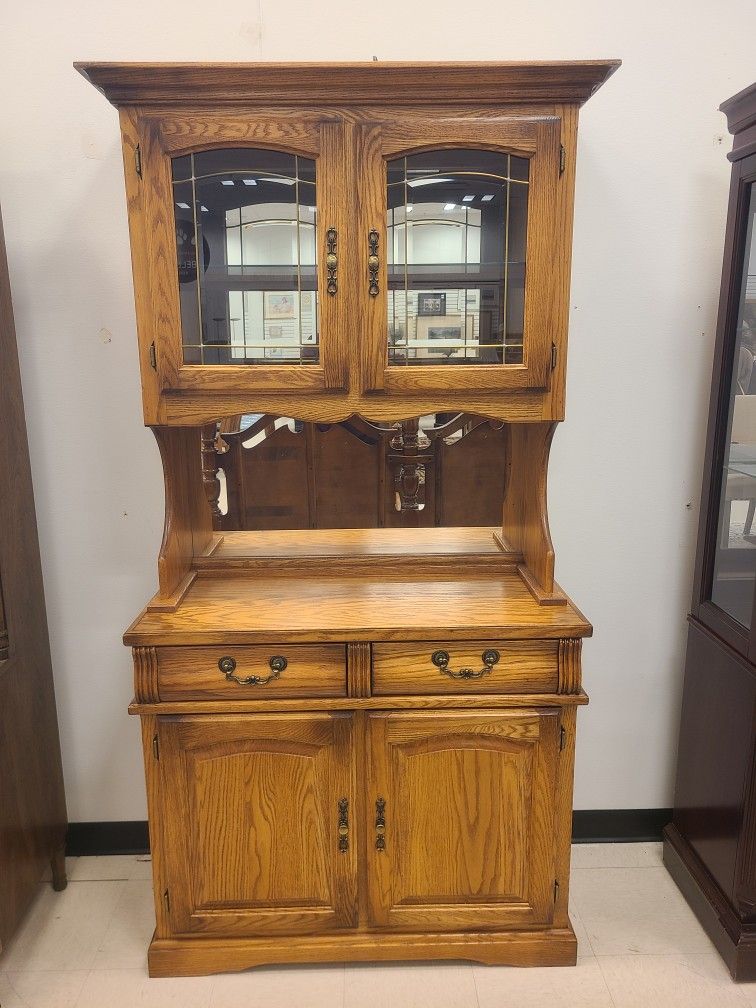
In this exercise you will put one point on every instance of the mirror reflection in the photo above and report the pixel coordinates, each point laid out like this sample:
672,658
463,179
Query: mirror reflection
250,295
735,558
272,472
457,227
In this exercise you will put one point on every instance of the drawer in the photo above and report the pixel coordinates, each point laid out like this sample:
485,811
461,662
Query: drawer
276,670
529,666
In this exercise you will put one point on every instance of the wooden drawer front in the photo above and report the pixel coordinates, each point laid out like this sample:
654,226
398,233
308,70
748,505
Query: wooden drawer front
522,667
194,672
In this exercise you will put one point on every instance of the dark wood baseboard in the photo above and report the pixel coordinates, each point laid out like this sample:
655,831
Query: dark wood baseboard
735,941
588,826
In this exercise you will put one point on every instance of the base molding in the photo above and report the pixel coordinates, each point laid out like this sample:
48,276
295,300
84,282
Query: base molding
735,941
168,957
588,826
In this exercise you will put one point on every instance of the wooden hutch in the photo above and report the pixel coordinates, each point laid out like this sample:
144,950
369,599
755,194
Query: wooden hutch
358,742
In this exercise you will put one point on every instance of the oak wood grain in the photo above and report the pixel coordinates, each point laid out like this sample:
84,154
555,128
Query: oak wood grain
187,673
515,947
469,805
250,806
146,689
467,701
407,669
382,82
188,520
358,669
219,610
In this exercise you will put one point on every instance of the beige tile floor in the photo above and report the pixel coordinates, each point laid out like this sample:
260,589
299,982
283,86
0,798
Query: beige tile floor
639,947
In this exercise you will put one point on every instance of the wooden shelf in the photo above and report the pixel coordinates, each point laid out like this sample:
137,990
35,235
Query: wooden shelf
385,550
360,607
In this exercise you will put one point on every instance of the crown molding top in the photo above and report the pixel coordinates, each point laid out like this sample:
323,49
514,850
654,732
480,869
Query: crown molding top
346,83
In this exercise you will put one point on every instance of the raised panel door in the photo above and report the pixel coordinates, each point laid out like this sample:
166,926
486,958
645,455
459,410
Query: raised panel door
460,819
258,822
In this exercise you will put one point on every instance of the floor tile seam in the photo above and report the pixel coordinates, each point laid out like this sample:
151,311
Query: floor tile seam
606,983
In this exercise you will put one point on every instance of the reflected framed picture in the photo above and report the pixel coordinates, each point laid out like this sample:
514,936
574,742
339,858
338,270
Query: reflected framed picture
281,306
433,303
444,333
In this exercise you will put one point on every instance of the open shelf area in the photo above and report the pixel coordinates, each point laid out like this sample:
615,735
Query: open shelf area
419,547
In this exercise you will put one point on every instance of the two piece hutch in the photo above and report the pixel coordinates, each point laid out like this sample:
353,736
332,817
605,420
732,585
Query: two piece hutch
358,737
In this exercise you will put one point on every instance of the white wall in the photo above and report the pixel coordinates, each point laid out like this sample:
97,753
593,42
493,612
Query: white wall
651,194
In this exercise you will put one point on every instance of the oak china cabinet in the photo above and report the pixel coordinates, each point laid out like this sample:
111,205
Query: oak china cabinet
358,731
710,847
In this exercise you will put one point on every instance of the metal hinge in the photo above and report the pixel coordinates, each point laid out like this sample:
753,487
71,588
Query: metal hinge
167,900
553,356
153,357
562,738
556,889
562,158
156,748
138,160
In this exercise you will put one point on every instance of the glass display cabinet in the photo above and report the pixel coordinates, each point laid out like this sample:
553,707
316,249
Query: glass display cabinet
358,680
710,847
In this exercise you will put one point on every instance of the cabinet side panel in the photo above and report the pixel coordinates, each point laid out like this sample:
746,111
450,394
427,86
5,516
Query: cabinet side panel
526,521
715,753
132,154
188,521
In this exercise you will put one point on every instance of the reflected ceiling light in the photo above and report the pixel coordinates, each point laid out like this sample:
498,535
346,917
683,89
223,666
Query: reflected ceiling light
183,206
427,181
227,181
204,209
486,199
281,181
450,206
467,199
409,208
249,181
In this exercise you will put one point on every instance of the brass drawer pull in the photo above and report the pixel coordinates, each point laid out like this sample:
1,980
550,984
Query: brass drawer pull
373,262
332,261
227,665
380,824
441,660
343,825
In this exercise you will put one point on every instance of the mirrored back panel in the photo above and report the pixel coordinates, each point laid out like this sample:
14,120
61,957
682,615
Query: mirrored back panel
457,230
247,268
273,472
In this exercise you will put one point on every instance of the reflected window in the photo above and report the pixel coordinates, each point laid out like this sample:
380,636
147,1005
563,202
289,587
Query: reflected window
247,268
735,557
457,229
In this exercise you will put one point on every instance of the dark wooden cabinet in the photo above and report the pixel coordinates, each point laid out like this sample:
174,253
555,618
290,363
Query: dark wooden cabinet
710,847
32,802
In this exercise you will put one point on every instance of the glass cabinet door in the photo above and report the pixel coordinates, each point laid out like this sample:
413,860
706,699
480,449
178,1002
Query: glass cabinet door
459,279
256,232
734,554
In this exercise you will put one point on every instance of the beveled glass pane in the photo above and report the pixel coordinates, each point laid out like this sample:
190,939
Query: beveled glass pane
456,249
735,555
250,296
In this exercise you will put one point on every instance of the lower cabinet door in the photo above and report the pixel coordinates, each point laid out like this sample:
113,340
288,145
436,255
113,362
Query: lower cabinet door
461,819
257,822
